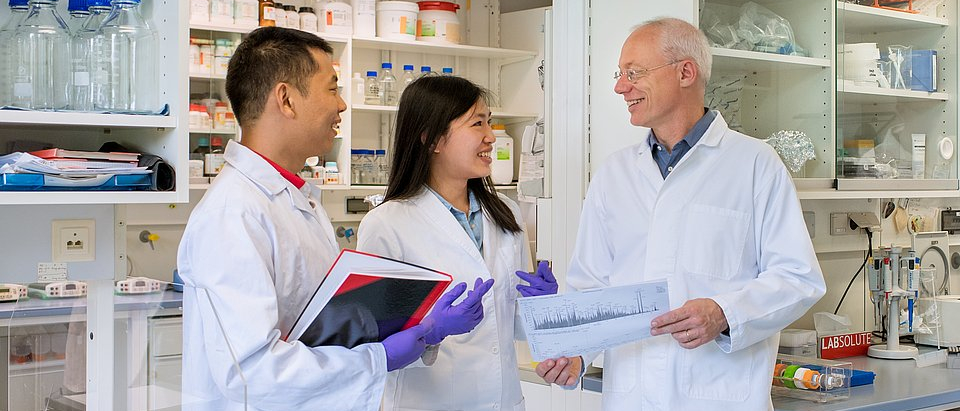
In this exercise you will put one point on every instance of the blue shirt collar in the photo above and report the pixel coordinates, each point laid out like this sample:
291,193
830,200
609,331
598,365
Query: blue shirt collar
695,133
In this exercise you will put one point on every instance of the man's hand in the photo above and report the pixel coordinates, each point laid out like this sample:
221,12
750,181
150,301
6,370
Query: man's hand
698,322
561,371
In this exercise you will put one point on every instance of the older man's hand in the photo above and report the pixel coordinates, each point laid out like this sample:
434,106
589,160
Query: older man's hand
698,322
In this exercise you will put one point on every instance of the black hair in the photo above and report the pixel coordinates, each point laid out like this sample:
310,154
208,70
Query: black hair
427,107
270,55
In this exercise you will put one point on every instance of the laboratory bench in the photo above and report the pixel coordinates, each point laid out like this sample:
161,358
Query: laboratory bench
899,386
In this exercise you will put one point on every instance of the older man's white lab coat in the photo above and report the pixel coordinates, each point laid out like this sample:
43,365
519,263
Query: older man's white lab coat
254,251
474,371
726,224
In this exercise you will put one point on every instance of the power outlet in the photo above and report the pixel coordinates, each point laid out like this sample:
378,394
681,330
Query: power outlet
73,240
840,224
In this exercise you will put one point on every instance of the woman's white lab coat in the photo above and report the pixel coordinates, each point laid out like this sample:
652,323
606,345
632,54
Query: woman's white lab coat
254,250
725,224
474,371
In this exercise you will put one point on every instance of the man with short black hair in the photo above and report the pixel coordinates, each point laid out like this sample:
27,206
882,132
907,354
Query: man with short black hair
258,244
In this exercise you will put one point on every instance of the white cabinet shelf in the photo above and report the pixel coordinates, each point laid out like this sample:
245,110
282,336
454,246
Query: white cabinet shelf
88,197
207,76
860,94
832,194
212,131
221,29
45,119
865,19
504,115
744,60
441,49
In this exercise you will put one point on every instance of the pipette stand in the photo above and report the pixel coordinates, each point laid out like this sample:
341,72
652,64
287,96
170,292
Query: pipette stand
886,286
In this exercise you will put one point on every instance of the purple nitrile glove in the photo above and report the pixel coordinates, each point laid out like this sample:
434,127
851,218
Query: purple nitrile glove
447,319
541,283
404,347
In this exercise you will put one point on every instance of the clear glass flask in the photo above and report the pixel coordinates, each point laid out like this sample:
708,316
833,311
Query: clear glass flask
131,50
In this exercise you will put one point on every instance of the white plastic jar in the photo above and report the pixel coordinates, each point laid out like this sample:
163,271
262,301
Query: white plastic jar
437,21
246,13
336,17
502,167
308,20
397,20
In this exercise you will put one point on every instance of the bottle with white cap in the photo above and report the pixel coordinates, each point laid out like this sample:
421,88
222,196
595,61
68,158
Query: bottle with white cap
502,167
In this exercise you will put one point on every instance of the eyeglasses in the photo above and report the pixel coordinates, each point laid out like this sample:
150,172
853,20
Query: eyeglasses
634,74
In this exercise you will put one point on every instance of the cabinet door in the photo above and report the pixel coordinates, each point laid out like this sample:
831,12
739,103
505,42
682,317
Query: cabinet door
896,89
536,396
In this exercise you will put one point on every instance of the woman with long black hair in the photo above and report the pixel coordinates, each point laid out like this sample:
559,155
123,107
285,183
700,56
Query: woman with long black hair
442,211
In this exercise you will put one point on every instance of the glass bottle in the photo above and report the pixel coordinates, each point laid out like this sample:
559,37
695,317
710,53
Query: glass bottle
213,161
78,11
42,58
18,12
203,148
88,42
371,89
426,71
406,78
446,71
388,85
268,14
131,50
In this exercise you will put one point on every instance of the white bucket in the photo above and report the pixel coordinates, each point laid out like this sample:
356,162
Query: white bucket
437,22
397,20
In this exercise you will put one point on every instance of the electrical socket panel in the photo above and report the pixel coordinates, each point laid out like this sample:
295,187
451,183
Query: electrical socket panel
73,240
840,224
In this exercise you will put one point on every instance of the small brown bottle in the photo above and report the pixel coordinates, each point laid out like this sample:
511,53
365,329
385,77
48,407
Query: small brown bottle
268,17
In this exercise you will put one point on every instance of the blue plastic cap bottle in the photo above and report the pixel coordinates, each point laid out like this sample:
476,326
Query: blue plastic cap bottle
387,65
19,3
408,67
424,69
77,5
381,152
447,70
371,74
98,3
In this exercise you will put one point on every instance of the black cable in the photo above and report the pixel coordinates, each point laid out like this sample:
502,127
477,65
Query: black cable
857,274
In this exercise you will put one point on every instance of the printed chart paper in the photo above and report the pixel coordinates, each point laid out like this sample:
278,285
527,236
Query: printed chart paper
593,320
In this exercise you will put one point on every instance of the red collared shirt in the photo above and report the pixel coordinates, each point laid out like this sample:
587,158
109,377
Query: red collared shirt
292,178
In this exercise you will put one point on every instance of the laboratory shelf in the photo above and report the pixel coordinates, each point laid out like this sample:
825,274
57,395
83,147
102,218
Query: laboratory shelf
207,76
832,194
865,19
878,95
221,29
87,197
212,131
20,369
376,43
376,187
46,118
505,115
743,60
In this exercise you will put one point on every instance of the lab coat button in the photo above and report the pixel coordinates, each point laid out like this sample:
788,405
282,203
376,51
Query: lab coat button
669,169
496,405
496,350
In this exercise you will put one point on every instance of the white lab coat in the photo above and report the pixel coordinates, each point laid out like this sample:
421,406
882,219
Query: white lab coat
726,224
254,251
473,371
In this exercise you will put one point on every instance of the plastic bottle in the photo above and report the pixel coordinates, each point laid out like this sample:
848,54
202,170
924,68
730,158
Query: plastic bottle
195,60
268,14
213,161
388,85
308,19
78,12
331,173
221,12
406,78
221,56
446,71
42,58
358,89
246,13
132,51
18,12
371,89
502,167
336,17
200,11
365,18
293,18
220,115
279,14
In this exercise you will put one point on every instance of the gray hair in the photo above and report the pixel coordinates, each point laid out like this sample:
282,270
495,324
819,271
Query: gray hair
681,40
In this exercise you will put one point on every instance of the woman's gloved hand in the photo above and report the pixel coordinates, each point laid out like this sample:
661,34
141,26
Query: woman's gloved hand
541,283
404,347
448,319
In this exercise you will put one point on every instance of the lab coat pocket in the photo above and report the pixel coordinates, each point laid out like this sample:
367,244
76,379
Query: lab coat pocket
707,373
620,368
712,241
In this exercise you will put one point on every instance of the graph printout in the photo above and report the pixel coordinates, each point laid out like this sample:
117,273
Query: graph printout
593,320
